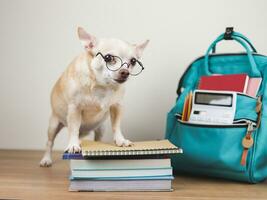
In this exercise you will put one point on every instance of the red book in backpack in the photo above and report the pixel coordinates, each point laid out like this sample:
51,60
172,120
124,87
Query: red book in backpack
229,82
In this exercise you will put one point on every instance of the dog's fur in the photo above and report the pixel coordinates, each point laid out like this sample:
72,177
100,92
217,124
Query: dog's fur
87,92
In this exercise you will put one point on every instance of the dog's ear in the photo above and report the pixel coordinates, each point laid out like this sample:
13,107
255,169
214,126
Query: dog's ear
88,41
140,48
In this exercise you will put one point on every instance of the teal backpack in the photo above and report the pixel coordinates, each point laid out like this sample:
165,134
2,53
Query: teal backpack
219,150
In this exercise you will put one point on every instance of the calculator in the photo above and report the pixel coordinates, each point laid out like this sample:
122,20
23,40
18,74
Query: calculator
213,107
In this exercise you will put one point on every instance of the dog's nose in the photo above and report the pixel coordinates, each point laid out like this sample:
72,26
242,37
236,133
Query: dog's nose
124,73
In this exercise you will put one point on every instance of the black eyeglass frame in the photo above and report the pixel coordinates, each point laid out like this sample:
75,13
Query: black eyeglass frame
122,63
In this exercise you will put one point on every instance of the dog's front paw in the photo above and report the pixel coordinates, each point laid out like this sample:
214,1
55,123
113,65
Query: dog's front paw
46,162
121,142
73,148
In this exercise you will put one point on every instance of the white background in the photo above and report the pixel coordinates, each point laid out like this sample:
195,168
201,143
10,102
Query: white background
38,39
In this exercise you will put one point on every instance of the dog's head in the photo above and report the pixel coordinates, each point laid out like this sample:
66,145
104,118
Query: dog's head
113,60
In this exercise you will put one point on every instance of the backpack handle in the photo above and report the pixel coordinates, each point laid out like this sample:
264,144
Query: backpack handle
253,67
242,37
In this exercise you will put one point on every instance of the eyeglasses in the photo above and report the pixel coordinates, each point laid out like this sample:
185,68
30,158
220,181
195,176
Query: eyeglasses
114,63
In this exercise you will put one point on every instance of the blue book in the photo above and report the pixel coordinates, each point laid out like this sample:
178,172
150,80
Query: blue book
72,156
166,171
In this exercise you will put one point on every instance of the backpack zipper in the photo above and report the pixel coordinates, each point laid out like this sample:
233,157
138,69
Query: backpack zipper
247,143
236,124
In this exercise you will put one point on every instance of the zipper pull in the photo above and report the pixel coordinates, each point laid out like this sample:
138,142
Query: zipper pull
247,142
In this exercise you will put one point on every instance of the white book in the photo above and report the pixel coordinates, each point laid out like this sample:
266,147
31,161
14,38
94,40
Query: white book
122,185
120,164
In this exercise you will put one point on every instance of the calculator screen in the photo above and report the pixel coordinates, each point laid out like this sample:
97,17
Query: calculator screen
214,99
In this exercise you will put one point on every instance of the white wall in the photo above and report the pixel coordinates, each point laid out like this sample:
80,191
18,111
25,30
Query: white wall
38,39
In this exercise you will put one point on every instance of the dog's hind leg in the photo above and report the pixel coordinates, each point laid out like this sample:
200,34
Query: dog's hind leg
54,127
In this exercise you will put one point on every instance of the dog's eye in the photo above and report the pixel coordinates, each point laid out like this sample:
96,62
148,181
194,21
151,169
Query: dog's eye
133,61
108,58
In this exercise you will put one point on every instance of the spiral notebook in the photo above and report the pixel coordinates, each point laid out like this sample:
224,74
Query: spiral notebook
157,147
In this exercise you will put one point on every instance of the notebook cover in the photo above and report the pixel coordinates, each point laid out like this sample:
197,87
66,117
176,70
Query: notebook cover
92,148
88,145
230,82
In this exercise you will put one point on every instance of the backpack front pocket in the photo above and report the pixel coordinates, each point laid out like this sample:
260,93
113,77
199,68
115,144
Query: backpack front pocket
210,149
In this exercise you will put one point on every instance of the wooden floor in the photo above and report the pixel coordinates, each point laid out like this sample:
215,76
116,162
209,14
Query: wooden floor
22,178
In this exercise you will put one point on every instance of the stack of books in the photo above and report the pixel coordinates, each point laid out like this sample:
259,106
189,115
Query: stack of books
145,166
